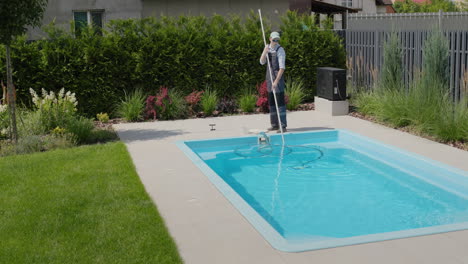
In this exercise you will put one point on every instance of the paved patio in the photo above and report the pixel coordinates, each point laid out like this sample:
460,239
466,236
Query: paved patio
208,229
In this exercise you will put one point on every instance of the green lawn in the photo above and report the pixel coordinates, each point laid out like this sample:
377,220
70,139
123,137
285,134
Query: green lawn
80,205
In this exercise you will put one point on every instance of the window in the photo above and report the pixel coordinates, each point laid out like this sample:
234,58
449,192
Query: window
84,18
347,3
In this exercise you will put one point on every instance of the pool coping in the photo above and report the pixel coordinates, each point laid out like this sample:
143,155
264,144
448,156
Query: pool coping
277,241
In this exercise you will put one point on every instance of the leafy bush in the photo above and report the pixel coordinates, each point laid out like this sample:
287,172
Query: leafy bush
193,100
166,105
247,102
436,65
60,141
101,136
183,52
409,6
4,121
30,123
209,101
426,107
178,109
308,47
80,127
103,117
391,77
54,110
295,93
227,105
36,143
366,102
452,121
131,108
262,100
29,144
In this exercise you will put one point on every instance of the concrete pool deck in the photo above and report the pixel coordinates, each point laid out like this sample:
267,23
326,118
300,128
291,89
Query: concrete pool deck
208,229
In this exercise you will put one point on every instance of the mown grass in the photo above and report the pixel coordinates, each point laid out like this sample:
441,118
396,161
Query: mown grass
79,205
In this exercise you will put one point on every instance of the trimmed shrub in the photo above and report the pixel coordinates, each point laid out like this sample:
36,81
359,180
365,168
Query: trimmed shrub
187,52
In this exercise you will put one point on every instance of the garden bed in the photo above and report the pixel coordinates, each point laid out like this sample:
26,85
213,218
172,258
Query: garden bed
408,129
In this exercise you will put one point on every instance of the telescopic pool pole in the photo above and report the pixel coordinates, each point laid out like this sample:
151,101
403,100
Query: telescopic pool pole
271,78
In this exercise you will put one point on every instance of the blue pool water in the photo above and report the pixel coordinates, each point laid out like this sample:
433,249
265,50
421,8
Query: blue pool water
333,188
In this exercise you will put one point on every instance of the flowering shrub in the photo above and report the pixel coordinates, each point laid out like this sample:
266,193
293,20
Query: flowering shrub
192,100
165,105
55,110
158,104
262,100
150,108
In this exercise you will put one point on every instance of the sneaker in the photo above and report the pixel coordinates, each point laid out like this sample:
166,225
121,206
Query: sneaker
272,128
284,130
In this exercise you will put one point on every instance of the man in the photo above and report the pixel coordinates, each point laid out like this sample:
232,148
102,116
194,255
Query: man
277,57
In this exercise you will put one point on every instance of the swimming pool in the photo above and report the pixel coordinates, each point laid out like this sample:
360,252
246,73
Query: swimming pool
332,188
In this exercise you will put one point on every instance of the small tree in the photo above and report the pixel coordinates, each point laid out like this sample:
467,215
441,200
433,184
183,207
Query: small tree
15,16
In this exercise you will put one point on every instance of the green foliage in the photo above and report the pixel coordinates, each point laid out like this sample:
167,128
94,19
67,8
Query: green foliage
436,65
176,109
367,102
409,6
4,121
452,121
102,136
295,92
307,47
103,117
427,106
247,101
54,109
186,53
17,15
30,123
391,77
80,127
36,143
209,101
131,108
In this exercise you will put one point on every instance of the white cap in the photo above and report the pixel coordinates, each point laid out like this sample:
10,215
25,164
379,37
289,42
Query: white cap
274,35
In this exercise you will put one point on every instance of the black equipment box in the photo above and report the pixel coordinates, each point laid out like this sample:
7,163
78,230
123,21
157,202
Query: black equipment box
331,83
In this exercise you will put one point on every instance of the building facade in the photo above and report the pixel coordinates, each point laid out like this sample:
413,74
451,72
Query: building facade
99,12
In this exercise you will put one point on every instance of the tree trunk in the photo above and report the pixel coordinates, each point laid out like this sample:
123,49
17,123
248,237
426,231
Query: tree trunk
11,95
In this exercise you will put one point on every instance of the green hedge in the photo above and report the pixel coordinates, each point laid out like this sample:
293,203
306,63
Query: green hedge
185,53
